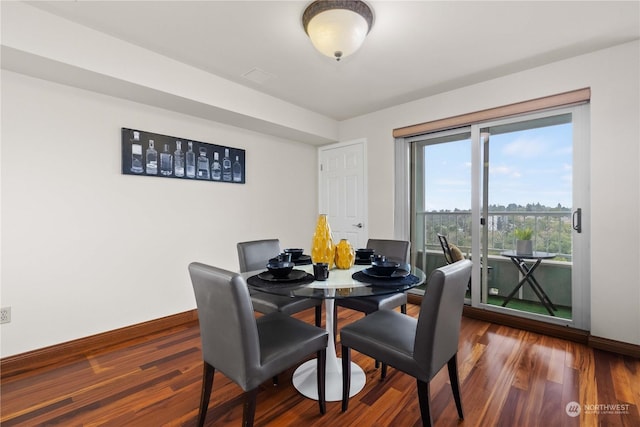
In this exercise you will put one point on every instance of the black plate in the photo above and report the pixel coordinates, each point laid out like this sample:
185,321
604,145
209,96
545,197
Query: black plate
398,274
292,277
302,260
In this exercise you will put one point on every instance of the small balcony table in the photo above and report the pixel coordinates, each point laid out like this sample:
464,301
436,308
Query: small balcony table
527,264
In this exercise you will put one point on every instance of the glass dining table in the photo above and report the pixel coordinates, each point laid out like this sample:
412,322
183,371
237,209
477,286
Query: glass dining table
358,281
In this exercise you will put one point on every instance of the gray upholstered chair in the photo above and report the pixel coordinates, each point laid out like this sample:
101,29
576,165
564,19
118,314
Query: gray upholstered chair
394,250
246,349
418,347
254,255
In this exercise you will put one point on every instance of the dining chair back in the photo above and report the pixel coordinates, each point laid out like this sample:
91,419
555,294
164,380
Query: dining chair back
246,349
418,347
254,255
394,250
438,327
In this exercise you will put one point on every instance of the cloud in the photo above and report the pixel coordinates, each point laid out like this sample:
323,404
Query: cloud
504,170
567,178
562,151
526,148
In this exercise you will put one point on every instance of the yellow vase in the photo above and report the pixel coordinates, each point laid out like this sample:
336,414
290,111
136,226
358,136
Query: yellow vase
345,255
322,247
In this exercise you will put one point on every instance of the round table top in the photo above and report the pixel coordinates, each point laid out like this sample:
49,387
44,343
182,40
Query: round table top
534,255
340,284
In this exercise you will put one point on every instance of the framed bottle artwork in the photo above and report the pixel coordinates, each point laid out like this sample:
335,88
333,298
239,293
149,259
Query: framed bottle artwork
151,154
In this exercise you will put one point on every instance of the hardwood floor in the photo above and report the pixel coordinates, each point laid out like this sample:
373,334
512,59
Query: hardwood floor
508,377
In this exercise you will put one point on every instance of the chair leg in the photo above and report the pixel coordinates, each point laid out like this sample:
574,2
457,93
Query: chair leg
319,315
423,397
321,379
249,407
346,377
403,309
205,394
275,381
452,365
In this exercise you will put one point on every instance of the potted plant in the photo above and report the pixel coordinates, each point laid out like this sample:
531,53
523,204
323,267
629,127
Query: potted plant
524,246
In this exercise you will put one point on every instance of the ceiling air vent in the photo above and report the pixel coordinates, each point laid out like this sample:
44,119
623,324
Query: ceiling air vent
258,76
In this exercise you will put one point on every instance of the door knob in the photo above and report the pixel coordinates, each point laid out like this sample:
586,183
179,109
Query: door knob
359,225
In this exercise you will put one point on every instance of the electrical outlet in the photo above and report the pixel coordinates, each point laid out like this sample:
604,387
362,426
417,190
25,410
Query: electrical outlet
5,314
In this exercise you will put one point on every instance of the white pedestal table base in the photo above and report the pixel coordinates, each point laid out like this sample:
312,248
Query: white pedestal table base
305,377
304,380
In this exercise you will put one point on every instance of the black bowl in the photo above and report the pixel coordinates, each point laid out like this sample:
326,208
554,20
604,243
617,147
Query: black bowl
384,268
280,269
364,253
295,253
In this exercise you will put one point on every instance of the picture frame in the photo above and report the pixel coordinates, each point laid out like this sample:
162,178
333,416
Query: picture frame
162,156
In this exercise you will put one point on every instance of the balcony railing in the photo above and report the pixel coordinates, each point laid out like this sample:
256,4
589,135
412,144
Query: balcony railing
551,230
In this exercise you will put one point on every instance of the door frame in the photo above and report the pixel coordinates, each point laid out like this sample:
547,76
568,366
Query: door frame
581,278
365,179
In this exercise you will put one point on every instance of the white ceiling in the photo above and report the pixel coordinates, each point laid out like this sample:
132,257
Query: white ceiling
415,48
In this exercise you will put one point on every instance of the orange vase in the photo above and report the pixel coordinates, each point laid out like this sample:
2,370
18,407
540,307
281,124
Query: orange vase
345,255
322,247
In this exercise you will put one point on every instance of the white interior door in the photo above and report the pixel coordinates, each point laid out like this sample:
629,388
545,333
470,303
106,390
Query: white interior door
342,190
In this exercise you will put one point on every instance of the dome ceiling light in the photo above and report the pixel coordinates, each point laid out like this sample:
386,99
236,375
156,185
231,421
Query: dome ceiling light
337,28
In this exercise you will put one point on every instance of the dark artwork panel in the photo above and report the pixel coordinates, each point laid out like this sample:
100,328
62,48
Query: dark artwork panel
151,154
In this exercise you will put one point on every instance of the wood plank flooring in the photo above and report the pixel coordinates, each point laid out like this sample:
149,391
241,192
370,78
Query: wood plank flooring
509,377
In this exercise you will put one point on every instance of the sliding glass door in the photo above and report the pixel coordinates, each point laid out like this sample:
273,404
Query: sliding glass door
442,194
527,195
491,185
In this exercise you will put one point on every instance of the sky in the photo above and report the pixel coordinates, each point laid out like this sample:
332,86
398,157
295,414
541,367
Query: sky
528,166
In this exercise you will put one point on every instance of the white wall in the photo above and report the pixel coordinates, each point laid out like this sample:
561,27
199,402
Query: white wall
86,249
613,75
43,45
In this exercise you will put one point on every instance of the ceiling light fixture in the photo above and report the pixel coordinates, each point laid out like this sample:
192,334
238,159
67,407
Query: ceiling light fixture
337,28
